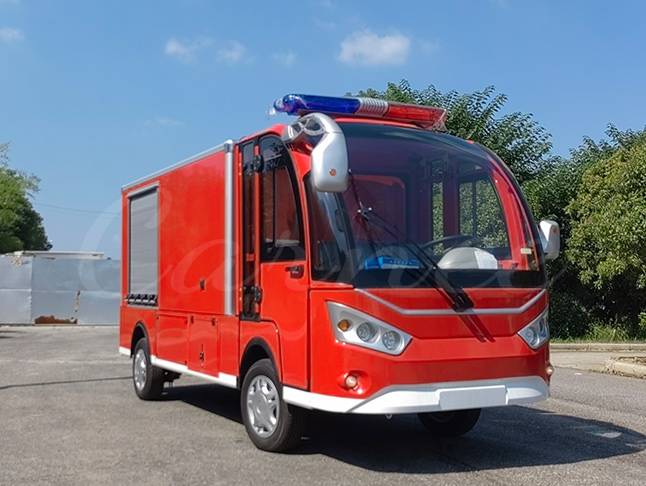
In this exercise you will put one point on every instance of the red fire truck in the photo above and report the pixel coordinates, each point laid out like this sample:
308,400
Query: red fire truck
357,260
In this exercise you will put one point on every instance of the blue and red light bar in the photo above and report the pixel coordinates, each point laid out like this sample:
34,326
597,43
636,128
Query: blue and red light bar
298,104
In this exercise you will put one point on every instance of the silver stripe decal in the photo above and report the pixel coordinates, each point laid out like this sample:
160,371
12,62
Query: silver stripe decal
229,263
452,312
124,351
182,163
222,378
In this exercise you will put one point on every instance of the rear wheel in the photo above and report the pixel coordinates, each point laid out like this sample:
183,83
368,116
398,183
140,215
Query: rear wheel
271,424
148,379
450,424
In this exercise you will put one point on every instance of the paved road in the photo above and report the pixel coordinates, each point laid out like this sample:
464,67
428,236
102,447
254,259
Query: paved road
69,416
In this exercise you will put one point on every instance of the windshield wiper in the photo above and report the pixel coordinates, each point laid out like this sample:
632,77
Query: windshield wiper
461,300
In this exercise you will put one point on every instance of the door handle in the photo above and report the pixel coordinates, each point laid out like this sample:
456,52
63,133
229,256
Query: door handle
295,271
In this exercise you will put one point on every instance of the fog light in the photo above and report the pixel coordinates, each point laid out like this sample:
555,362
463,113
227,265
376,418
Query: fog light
343,325
549,370
351,381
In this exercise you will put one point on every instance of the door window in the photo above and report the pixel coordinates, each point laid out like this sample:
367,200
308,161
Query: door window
281,228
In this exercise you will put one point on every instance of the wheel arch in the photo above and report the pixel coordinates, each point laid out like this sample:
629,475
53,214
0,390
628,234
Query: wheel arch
138,333
256,350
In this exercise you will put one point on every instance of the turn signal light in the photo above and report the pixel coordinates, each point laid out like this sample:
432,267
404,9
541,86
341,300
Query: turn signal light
343,325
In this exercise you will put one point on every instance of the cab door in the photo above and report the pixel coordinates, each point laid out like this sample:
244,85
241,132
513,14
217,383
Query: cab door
276,280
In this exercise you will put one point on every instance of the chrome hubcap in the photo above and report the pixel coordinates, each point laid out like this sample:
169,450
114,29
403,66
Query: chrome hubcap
263,406
140,369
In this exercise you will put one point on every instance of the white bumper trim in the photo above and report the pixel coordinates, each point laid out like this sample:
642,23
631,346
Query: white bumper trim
432,397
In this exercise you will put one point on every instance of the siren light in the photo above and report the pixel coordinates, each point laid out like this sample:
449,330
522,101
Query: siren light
298,104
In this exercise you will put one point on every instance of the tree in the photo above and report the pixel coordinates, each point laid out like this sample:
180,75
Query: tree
607,245
516,138
21,227
574,305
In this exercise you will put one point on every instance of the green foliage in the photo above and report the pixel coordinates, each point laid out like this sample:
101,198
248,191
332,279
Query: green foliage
21,226
554,187
569,318
607,245
606,334
516,137
557,181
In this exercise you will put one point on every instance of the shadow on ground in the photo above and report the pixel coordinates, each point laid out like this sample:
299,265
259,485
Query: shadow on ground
503,438
9,333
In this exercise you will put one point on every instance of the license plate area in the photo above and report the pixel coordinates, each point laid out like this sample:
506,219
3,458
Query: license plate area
477,397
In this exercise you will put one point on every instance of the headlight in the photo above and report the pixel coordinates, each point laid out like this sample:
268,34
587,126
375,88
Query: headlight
366,332
537,332
355,327
391,339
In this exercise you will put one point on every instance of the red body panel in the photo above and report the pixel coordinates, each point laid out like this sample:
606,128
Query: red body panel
191,237
285,302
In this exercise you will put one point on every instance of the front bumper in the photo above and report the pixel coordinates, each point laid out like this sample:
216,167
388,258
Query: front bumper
432,397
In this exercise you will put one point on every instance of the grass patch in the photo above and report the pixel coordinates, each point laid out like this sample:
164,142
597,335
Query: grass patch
599,333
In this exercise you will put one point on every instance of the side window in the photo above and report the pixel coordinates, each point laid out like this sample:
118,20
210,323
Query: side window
481,214
143,241
281,226
437,211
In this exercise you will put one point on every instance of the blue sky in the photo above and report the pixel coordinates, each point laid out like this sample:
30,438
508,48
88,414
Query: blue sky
95,94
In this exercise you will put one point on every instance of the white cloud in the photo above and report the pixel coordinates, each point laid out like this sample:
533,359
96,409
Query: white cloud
9,34
232,53
285,58
368,49
184,50
168,122
165,122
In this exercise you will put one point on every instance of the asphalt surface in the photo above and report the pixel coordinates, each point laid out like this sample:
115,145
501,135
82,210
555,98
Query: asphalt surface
70,416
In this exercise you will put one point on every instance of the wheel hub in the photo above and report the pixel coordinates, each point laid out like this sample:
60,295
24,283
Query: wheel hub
263,406
140,369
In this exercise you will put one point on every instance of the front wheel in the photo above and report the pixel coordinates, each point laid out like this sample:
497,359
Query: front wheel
450,424
271,424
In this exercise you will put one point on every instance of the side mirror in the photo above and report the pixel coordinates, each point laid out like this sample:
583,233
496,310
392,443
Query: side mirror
550,238
329,156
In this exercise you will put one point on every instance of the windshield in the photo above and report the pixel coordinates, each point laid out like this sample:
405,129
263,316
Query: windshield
418,200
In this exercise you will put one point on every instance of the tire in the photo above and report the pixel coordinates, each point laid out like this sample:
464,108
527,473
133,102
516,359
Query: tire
271,424
450,424
147,379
